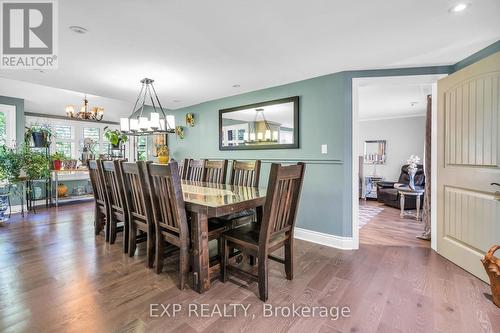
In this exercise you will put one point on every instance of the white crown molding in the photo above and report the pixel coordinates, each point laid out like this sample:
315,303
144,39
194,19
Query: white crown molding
339,242
392,117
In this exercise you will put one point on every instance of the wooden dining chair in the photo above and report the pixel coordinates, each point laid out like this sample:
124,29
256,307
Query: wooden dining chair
141,227
100,210
215,171
194,170
275,230
169,214
245,173
182,168
117,205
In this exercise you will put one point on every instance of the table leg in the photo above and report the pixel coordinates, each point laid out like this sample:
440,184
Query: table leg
201,260
418,207
260,212
402,204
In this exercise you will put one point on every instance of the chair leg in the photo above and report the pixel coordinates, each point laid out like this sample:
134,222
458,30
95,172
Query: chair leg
106,228
132,240
125,236
98,221
223,250
160,249
183,265
112,230
263,281
289,258
251,260
150,242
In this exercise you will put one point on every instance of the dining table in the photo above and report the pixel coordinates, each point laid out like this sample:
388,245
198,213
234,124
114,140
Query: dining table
210,200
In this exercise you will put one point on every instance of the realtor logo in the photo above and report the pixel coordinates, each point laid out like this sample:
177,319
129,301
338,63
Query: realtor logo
29,34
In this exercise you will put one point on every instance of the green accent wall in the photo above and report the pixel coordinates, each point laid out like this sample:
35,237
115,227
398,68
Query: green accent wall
19,104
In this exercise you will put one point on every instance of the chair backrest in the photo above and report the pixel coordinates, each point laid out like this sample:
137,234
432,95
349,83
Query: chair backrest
114,187
165,190
194,170
245,173
136,196
183,164
282,200
97,183
215,171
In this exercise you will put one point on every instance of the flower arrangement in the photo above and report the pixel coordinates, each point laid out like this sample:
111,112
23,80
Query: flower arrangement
412,162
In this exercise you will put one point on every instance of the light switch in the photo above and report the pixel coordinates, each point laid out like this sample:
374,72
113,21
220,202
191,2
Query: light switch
324,149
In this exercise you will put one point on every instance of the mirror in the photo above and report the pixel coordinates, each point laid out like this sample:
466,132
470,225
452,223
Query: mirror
375,152
266,125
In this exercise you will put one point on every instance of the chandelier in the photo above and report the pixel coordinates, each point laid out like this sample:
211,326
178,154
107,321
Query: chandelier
146,120
96,113
267,133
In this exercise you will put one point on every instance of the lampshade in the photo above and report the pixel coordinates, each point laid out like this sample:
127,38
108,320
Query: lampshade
124,125
134,124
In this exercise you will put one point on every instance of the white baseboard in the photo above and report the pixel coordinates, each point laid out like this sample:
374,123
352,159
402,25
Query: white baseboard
339,242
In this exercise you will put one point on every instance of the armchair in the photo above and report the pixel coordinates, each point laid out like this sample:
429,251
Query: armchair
387,194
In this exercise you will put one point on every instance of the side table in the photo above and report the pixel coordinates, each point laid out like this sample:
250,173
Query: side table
405,190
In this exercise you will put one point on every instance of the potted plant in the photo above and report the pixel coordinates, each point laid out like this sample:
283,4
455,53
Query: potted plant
57,159
35,164
115,137
41,135
163,154
11,164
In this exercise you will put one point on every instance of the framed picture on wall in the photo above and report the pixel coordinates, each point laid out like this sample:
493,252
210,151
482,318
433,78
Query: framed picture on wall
158,141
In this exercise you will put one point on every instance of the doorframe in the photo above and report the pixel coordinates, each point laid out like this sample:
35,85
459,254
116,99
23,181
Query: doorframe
356,81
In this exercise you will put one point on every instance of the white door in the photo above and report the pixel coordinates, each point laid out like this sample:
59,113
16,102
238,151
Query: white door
468,162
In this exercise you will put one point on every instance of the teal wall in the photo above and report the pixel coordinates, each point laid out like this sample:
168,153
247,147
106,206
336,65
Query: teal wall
19,104
322,121
325,118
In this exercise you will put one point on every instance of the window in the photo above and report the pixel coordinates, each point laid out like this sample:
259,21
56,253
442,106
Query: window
64,139
142,148
94,134
3,129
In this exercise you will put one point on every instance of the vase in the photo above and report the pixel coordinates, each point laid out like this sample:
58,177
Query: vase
62,190
57,164
4,205
411,183
39,139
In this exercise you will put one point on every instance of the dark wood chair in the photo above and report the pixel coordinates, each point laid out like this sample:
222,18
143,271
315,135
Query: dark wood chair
141,227
195,170
169,214
100,210
275,230
245,173
182,168
117,206
215,171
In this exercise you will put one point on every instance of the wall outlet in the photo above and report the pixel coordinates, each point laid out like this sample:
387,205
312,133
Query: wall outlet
324,149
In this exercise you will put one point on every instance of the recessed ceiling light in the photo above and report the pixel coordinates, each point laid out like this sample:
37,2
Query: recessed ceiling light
236,86
413,104
460,7
78,30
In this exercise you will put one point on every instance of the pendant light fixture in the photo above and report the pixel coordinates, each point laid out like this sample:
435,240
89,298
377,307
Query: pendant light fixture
96,113
146,120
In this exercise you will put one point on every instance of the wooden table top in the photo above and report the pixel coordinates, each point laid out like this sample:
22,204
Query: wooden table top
220,199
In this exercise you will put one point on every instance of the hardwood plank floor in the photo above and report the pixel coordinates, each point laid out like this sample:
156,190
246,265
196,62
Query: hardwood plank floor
56,276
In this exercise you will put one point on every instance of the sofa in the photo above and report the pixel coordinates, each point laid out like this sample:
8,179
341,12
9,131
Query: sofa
387,194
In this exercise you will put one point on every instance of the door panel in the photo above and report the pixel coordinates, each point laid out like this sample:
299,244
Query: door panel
468,162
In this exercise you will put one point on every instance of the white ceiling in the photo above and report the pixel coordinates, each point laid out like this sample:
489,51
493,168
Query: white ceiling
277,113
48,100
197,50
392,97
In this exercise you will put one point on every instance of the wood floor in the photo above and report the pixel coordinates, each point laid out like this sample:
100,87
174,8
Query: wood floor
56,276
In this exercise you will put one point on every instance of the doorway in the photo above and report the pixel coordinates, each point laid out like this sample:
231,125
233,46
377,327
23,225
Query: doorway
393,105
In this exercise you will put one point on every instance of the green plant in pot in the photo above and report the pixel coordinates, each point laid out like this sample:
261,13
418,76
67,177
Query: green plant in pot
41,135
57,159
115,137
36,164
11,164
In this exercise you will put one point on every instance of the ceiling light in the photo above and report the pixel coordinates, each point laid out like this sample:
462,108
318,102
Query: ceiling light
413,104
459,7
236,86
78,30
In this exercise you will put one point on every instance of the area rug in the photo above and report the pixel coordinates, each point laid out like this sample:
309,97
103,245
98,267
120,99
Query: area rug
367,213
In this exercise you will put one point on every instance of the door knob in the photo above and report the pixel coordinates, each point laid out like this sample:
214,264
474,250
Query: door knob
495,184
497,193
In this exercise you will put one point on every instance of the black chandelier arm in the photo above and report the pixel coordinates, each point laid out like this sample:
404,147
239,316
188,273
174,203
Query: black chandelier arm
151,98
137,100
159,104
